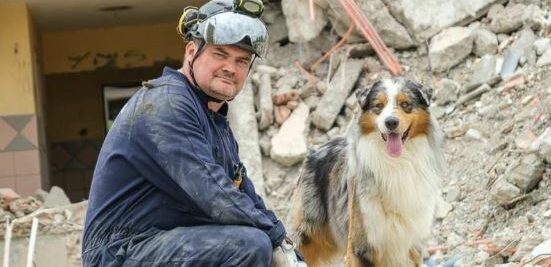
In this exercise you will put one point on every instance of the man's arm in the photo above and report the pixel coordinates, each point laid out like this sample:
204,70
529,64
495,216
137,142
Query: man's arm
182,151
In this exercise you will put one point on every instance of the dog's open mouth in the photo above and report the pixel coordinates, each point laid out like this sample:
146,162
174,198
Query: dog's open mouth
394,142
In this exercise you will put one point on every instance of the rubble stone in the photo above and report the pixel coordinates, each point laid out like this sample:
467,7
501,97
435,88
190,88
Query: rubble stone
545,59
484,71
542,145
333,100
301,27
426,18
56,198
533,17
289,144
446,91
527,244
527,173
450,47
242,120
494,10
265,104
392,33
504,192
508,20
542,45
485,42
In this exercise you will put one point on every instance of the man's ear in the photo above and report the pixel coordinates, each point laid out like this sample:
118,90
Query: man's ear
190,49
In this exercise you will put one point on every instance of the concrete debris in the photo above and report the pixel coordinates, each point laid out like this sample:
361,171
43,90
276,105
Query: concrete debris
392,32
446,92
56,198
427,18
542,45
485,42
450,47
484,71
509,19
301,27
289,146
243,123
504,192
527,174
333,100
265,103
545,59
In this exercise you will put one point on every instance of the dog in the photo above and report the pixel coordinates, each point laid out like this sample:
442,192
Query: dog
371,195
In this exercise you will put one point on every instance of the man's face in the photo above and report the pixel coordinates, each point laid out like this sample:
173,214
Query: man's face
220,70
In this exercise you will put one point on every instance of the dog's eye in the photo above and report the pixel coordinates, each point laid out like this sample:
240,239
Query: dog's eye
406,106
378,108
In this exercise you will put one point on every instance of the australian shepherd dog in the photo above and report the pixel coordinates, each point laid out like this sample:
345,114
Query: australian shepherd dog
371,195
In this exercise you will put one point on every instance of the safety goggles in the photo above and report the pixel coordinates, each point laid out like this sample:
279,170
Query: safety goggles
231,28
252,7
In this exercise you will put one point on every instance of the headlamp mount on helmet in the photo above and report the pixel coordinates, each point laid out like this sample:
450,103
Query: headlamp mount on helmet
226,22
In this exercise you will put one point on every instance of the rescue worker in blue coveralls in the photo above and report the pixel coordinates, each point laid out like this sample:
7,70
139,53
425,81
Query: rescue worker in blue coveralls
169,188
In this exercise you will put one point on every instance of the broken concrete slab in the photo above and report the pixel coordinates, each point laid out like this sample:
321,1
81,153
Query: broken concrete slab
484,70
485,42
504,192
289,145
425,18
450,47
542,45
50,251
56,198
527,173
392,33
301,27
265,104
339,88
446,91
243,123
545,59
509,19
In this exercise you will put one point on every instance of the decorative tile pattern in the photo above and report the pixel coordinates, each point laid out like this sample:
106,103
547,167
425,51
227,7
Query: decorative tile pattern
7,133
18,133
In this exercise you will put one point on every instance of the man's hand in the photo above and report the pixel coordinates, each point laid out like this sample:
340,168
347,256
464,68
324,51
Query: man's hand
286,256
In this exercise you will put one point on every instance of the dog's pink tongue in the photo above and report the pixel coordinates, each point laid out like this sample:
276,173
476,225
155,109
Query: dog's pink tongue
394,145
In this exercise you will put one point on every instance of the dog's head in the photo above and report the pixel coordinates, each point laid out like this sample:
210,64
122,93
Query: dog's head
397,109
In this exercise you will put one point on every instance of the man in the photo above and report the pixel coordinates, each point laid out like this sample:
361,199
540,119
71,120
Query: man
169,188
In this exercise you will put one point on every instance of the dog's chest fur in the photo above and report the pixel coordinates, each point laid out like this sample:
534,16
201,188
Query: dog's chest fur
396,197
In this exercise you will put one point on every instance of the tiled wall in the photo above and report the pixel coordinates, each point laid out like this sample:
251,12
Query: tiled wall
72,166
19,155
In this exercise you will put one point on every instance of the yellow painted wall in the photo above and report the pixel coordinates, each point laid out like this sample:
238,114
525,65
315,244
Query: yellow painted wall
118,47
16,65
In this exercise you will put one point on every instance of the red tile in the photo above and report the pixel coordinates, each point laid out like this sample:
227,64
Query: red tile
8,182
26,185
7,164
27,162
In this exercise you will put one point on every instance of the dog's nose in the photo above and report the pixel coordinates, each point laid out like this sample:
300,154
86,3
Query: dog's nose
391,123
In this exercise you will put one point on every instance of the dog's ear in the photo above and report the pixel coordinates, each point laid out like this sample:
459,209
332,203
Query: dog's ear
422,91
363,95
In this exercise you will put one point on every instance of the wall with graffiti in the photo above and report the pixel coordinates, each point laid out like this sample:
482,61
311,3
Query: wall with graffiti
120,47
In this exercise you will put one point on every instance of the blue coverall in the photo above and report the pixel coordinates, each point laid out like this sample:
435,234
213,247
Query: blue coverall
163,193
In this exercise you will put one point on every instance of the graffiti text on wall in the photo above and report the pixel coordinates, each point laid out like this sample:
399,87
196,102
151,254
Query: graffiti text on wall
127,59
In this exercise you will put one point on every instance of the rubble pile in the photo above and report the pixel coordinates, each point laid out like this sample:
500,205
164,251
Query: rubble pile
489,63
55,213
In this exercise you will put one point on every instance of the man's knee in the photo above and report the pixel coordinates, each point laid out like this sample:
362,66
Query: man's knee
254,245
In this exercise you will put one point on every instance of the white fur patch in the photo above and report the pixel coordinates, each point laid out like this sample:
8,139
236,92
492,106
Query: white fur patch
398,214
391,91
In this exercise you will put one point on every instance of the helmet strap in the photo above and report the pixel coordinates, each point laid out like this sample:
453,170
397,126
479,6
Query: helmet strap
192,72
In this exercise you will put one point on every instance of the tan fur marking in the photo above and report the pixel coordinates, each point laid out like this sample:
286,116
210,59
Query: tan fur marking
320,249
